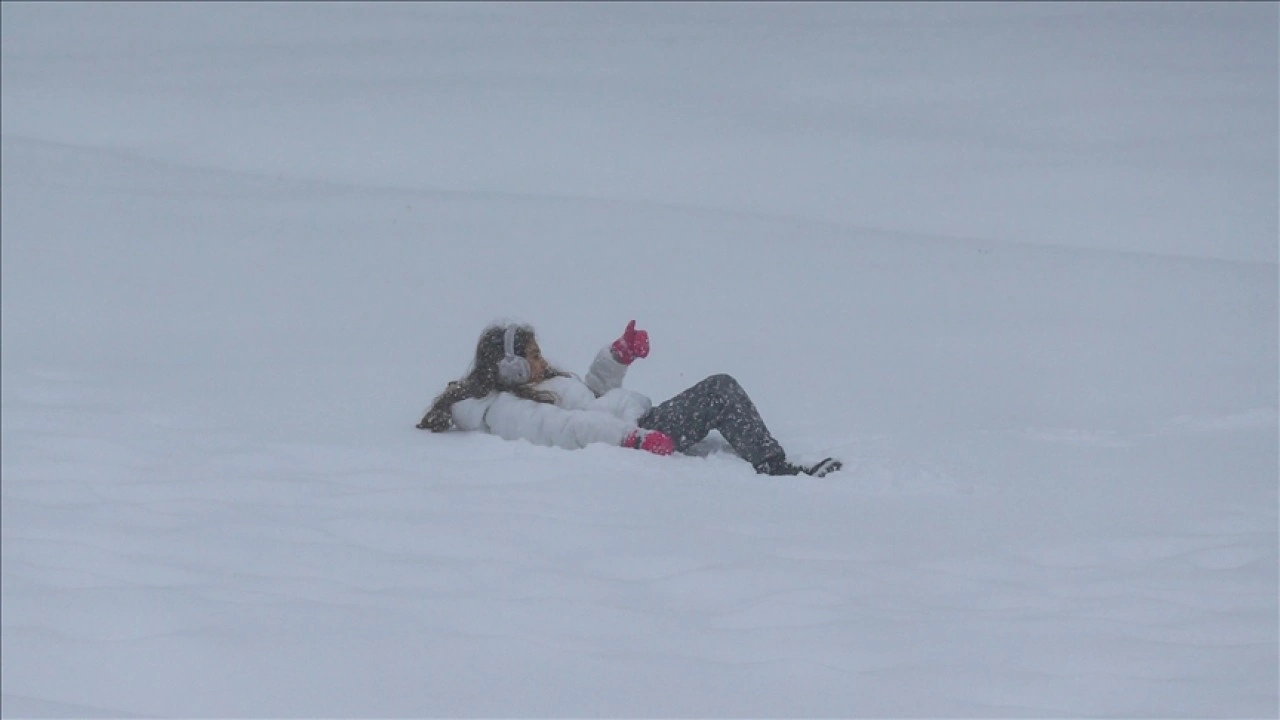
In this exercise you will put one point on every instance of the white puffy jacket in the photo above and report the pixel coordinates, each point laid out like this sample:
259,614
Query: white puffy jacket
598,410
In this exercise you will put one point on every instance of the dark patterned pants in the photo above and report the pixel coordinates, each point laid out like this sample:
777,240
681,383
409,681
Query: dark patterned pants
717,403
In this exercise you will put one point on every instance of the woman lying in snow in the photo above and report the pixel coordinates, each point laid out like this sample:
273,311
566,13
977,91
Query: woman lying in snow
512,392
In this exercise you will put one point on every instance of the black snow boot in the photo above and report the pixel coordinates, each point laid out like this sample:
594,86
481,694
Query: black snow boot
780,466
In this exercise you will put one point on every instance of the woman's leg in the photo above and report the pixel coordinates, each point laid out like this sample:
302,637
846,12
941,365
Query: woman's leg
717,403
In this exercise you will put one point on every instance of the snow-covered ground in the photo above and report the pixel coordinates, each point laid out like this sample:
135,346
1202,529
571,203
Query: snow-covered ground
1015,264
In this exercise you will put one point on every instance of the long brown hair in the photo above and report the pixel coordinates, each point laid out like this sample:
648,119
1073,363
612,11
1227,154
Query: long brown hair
482,378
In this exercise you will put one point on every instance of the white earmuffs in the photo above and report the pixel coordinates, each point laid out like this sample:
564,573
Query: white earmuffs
512,369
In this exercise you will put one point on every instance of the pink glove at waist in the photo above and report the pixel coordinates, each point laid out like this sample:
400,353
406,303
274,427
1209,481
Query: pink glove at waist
652,441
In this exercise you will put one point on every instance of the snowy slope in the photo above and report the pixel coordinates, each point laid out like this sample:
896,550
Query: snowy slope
243,247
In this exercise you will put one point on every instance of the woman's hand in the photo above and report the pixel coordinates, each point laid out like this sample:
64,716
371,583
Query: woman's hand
652,441
633,344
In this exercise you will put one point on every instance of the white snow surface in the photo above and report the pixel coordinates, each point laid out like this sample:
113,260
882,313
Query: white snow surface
1014,263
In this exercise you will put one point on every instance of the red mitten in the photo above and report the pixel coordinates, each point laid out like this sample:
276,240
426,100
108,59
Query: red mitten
652,441
633,344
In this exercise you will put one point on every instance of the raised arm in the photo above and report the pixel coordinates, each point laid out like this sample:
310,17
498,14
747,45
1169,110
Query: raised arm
610,365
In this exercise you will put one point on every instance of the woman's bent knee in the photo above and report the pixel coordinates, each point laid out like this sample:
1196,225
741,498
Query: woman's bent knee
722,381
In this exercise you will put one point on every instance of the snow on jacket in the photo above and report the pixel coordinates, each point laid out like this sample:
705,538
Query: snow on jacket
597,410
